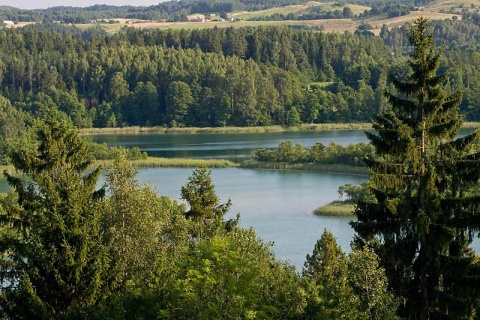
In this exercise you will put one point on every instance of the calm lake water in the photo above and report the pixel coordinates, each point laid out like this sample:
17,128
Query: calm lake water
223,145
277,204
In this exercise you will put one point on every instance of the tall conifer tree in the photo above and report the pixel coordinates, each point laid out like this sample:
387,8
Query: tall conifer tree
425,206
57,263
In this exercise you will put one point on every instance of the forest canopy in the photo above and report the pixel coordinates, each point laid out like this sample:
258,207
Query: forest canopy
219,77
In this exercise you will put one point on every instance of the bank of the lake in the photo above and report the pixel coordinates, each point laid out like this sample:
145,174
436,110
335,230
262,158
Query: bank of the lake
306,167
226,130
154,162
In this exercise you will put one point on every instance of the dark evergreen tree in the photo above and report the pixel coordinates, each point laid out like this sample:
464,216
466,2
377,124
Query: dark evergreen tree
206,212
425,186
330,296
56,261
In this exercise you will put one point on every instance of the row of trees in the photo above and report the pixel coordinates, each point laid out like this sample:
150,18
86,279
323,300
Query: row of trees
71,250
334,153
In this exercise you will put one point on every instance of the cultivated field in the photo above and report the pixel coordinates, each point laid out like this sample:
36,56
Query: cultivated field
441,10
378,21
298,9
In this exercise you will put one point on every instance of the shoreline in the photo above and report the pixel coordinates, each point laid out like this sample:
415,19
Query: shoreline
226,130
152,162
238,130
306,167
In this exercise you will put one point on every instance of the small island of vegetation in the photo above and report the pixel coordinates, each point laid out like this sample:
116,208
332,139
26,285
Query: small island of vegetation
349,195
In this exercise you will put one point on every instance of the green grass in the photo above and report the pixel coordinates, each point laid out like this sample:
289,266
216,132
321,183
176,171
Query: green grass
336,209
108,27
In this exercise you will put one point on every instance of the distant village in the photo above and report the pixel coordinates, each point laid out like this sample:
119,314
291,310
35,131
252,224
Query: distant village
191,18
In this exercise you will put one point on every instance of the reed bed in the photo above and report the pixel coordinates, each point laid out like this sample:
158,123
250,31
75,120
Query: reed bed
471,125
152,162
219,130
336,209
224,130
6,168
312,167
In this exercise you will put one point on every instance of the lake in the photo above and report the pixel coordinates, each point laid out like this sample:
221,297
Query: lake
225,146
277,204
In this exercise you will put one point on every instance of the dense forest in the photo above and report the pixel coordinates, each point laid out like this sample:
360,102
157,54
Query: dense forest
220,77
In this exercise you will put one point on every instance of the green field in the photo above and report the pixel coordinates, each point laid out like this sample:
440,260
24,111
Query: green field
298,9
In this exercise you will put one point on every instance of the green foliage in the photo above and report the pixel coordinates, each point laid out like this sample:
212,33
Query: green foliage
330,296
334,153
206,212
211,77
234,275
178,99
12,125
354,193
104,152
57,262
145,233
425,188
346,287
369,283
293,117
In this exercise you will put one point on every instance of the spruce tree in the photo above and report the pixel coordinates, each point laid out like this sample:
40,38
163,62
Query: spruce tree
57,262
206,212
424,181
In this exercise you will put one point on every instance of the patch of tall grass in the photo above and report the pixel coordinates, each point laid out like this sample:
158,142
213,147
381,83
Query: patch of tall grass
471,125
219,130
336,209
152,162
6,168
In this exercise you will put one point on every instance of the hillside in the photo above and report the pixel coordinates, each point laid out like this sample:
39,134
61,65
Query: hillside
201,14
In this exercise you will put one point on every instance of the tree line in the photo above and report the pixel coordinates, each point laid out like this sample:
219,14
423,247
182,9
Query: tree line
334,153
214,77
